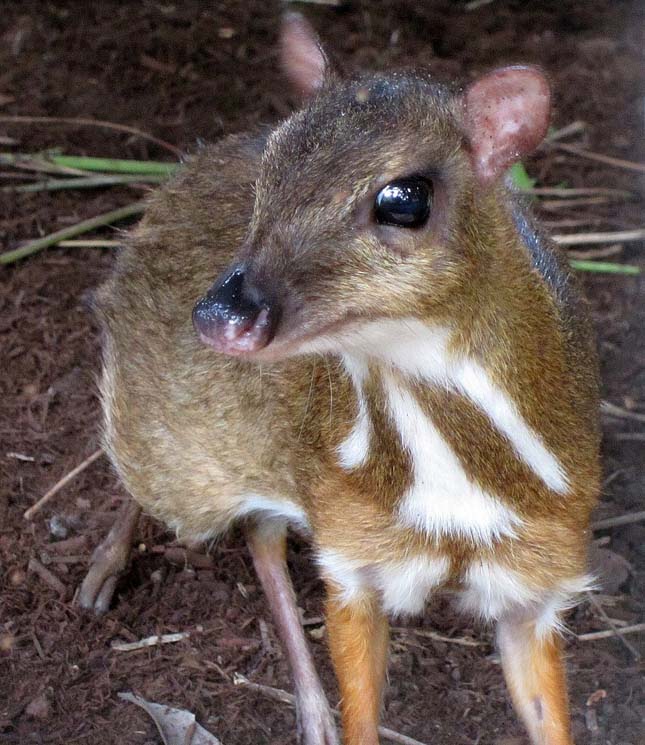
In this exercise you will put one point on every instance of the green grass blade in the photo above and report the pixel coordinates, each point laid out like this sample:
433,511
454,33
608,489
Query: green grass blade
605,267
9,257
114,165
520,177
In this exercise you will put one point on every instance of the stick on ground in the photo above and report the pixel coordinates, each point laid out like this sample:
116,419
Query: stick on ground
613,522
460,640
608,633
150,641
600,158
60,484
82,227
91,123
606,407
277,694
618,236
49,578
615,631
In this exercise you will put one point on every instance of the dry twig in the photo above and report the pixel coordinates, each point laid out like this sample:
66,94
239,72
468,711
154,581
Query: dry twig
68,546
460,640
592,253
150,641
575,202
567,131
556,191
606,407
613,237
49,578
282,697
182,556
600,158
83,122
615,631
60,484
613,522
99,221
608,633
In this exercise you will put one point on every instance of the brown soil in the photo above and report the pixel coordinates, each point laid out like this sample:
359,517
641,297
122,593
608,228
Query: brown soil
188,70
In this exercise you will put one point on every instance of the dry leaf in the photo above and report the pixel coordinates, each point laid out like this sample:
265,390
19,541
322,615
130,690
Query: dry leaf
596,696
611,568
176,726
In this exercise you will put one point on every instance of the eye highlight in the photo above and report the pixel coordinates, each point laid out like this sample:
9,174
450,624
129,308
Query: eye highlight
404,203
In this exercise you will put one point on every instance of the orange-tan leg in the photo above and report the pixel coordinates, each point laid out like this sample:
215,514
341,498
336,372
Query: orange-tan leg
267,544
358,639
534,672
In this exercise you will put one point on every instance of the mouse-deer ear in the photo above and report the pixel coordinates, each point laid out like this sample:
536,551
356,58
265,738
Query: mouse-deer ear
301,55
506,117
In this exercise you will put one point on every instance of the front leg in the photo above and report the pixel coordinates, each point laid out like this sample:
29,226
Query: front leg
267,544
358,634
534,672
109,559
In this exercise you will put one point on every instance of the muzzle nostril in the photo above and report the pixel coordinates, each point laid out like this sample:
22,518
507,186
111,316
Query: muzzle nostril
233,317
231,299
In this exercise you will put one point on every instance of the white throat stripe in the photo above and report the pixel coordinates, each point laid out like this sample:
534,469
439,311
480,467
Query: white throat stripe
422,352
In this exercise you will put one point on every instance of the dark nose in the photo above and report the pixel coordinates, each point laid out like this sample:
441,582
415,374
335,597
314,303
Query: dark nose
235,317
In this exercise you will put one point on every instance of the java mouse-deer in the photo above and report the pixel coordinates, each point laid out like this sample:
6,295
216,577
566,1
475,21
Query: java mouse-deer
349,326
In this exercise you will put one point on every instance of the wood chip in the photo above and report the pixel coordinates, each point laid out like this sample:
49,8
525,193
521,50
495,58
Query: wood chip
48,577
68,546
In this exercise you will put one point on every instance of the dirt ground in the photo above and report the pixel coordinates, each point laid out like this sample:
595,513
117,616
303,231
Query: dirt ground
189,70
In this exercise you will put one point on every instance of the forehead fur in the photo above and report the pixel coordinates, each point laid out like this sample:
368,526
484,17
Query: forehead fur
361,128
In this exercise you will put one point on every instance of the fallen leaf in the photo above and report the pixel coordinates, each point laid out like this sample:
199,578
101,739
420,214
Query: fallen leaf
39,707
611,568
176,726
596,696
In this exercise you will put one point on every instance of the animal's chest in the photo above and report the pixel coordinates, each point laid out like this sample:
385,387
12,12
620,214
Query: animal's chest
447,452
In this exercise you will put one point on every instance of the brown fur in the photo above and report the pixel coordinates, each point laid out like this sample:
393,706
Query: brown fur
191,432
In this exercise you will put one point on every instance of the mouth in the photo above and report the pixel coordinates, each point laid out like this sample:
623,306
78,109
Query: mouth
286,344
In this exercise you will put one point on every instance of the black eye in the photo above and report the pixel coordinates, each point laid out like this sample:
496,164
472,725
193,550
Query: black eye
405,203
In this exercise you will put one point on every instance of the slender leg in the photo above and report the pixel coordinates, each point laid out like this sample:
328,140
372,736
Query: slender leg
534,673
110,558
268,549
358,639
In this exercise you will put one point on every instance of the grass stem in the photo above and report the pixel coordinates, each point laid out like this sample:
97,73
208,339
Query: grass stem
107,218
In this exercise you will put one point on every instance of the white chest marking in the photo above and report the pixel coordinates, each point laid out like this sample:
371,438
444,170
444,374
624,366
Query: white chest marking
471,379
442,499
273,509
493,591
422,352
354,449
404,586
349,576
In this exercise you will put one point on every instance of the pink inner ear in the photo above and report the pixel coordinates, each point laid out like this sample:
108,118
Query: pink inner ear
507,116
301,55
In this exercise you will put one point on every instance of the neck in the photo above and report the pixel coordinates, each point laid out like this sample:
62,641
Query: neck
410,352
